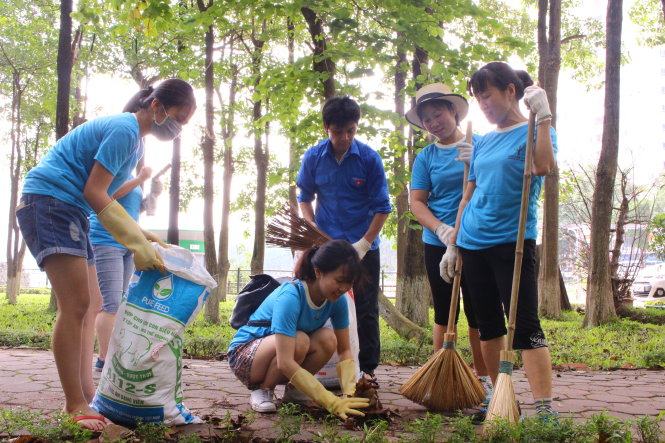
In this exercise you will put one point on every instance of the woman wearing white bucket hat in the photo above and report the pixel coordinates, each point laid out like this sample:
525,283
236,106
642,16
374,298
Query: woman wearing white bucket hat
436,190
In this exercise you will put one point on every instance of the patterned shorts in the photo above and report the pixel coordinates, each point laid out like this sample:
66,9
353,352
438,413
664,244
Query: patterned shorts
240,361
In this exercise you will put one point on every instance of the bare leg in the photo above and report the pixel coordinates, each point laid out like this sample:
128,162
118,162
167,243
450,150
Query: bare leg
322,345
69,276
104,327
491,350
264,367
88,334
437,336
538,368
478,361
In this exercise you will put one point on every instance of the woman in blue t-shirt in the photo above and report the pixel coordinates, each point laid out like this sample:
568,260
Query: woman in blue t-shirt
76,177
436,190
486,228
113,261
295,345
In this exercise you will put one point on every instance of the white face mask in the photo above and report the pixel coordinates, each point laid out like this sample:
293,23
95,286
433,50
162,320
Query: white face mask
167,130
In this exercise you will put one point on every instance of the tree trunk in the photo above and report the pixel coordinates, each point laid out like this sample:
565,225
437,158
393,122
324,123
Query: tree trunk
14,276
321,62
549,49
223,264
173,233
619,287
260,159
404,327
64,67
293,156
599,303
208,147
413,292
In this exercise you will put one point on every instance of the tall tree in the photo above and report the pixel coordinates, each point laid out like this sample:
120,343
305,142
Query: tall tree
208,148
261,153
412,286
228,132
549,51
322,63
64,67
599,301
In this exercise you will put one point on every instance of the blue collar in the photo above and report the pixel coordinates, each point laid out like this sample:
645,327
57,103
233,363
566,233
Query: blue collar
353,149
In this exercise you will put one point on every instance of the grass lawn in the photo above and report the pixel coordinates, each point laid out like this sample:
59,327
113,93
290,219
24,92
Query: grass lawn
624,343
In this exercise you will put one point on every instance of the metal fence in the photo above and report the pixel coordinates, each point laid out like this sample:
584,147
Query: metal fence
34,278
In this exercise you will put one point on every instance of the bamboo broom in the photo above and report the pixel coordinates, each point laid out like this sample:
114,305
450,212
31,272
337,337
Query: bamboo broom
445,382
288,229
503,403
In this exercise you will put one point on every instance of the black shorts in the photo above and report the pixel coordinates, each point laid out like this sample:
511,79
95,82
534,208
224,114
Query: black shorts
489,274
441,291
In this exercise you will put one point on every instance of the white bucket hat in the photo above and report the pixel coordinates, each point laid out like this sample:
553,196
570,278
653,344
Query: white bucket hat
436,92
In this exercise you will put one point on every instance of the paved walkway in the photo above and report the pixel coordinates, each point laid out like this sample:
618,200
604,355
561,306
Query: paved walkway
28,379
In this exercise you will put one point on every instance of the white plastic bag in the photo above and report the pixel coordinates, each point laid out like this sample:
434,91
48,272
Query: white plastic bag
141,380
327,375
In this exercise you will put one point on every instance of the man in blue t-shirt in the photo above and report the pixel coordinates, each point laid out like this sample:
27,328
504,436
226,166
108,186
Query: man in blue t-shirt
348,182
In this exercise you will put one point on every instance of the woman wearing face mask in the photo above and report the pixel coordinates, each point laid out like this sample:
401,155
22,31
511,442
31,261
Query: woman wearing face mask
488,219
293,345
436,190
76,177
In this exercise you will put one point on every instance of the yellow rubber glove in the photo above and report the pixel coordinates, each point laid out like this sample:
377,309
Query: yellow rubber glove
346,372
310,386
126,231
151,236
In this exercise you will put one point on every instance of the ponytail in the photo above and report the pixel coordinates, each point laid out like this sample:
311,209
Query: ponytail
139,100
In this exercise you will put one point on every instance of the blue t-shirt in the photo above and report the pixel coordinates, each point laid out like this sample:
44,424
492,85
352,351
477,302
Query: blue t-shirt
435,170
348,194
112,141
290,309
132,204
497,167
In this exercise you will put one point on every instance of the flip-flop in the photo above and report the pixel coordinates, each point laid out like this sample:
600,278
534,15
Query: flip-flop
79,418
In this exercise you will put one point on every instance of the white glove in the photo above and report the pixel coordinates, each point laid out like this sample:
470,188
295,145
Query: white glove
447,264
464,152
535,99
361,247
443,231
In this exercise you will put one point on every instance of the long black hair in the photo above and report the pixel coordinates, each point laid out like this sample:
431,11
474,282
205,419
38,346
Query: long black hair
499,75
329,257
170,92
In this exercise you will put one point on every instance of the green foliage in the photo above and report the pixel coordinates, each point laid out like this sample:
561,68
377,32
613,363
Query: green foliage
426,429
290,420
375,431
461,429
331,432
610,429
58,427
657,227
151,432
648,428
648,15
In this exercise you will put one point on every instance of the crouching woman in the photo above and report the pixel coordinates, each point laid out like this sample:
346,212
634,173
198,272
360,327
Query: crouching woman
285,341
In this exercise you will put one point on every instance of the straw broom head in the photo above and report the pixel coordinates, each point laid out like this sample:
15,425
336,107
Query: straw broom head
503,404
287,229
446,382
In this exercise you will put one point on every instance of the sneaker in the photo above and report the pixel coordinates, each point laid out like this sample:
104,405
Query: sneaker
545,412
99,365
262,400
489,390
479,417
293,395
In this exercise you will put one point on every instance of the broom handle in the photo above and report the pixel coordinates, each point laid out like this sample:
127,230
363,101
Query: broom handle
162,171
519,246
457,281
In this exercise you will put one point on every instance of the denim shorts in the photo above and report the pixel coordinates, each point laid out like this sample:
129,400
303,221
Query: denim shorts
51,226
114,269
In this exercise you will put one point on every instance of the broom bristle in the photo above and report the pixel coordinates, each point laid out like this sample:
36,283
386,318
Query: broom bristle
503,404
286,229
444,383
